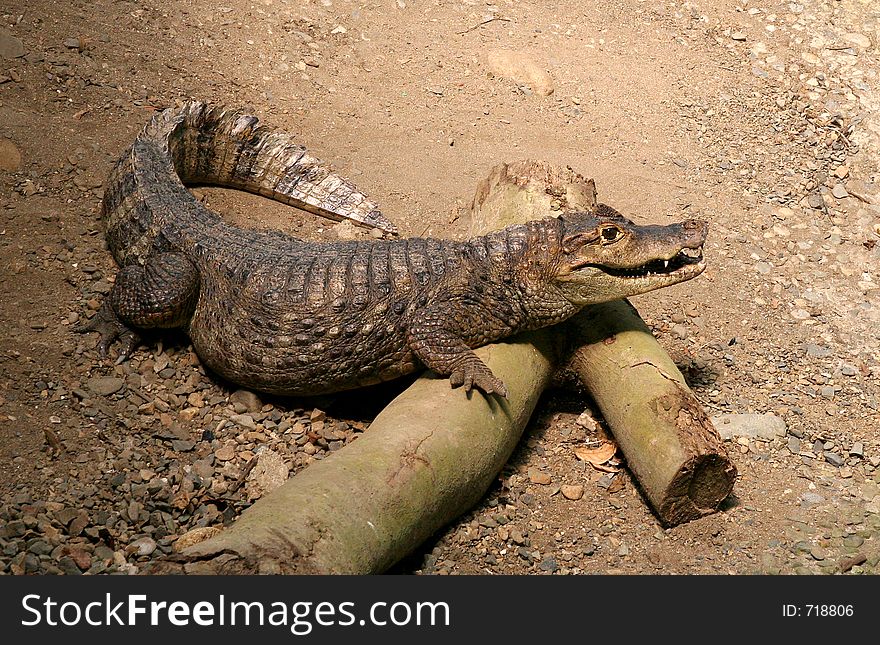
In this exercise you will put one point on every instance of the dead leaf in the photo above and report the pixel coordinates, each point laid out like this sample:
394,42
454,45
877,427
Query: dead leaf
596,456
617,485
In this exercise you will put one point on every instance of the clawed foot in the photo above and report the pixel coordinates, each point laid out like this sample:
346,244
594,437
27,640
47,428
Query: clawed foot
111,329
482,379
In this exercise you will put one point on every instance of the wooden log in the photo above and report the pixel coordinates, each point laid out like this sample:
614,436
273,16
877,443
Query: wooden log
670,445
428,457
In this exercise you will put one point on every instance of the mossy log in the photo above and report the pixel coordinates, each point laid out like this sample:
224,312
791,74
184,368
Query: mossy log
670,445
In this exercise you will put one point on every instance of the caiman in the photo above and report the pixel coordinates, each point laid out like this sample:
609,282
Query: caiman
287,316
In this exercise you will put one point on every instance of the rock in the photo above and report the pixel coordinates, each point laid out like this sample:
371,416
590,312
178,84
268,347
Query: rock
10,46
853,541
80,556
193,537
68,566
10,157
134,510
225,453
859,40
738,36
143,546
68,514
78,524
548,564
833,458
105,385
812,498
755,426
539,477
520,68
572,491
857,449
269,473
817,351
40,547
87,182
586,421
345,230
246,398
244,420
839,191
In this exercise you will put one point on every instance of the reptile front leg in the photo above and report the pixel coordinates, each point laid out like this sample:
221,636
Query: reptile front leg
446,353
162,294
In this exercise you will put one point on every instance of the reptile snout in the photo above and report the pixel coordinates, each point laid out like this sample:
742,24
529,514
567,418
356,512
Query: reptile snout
696,226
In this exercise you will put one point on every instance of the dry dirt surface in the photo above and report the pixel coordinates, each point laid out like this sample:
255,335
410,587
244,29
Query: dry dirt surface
759,116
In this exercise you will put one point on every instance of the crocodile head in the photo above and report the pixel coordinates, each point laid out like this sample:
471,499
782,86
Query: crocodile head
605,256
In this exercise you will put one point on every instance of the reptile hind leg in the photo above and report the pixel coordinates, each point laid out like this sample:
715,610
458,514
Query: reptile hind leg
110,329
159,295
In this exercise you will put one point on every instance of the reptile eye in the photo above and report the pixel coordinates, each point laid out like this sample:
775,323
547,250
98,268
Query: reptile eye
610,234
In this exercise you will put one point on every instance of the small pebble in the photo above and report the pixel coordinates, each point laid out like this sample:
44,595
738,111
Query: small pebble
834,459
105,385
539,477
144,546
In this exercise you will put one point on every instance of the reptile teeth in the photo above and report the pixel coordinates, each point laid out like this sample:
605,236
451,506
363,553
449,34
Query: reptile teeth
684,258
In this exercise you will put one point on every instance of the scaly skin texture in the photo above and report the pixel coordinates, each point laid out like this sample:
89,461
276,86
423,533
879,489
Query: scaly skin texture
286,316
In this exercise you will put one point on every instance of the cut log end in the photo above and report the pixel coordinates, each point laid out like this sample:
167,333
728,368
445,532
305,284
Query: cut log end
697,489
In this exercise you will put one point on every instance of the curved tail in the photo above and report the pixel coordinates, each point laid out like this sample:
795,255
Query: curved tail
217,146
212,145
